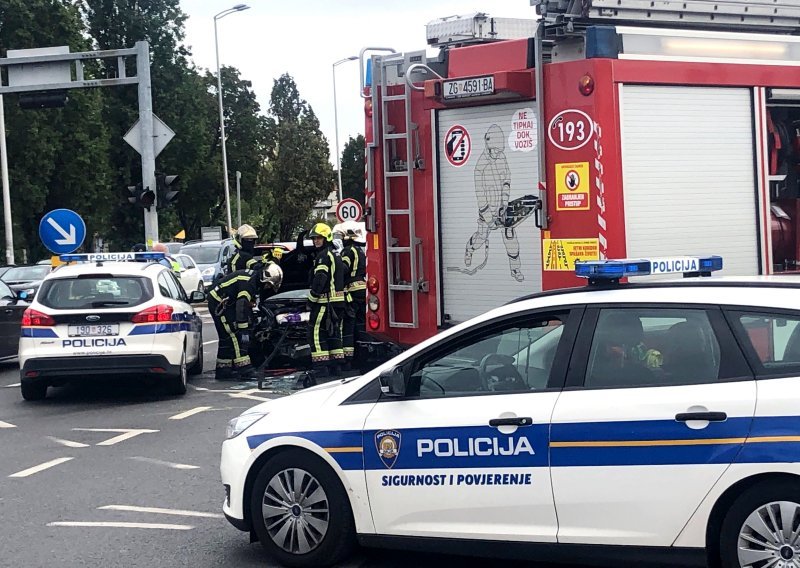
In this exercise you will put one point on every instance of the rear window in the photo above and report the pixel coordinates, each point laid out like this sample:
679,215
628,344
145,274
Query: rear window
203,255
29,273
95,292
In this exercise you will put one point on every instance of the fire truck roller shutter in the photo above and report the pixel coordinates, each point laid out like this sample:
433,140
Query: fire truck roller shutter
490,246
689,183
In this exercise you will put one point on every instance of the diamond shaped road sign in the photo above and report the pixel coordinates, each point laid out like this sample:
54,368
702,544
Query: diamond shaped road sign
162,134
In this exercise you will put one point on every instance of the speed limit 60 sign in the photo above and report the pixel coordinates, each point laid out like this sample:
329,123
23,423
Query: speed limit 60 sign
349,210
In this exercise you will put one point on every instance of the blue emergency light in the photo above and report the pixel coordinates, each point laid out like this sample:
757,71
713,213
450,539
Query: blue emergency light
611,270
112,256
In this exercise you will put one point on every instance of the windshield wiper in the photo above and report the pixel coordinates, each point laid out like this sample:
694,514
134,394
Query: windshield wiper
109,303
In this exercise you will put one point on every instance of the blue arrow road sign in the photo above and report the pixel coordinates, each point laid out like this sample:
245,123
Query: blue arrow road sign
62,231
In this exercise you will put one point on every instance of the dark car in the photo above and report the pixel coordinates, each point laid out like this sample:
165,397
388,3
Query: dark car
11,309
26,278
295,263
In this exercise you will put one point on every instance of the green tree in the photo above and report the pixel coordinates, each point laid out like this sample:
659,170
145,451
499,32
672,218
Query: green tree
353,169
299,173
57,157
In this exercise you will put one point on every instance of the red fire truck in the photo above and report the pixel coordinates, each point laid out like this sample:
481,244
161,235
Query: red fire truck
659,129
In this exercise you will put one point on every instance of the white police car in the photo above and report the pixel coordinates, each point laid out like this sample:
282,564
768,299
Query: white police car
107,316
622,423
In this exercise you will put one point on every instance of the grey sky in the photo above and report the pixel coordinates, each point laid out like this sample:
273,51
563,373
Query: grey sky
305,37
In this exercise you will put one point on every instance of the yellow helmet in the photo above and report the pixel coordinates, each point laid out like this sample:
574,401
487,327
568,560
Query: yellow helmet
321,230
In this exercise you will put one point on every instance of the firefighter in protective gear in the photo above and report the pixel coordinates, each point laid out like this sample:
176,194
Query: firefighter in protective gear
326,299
245,242
230,302
355,287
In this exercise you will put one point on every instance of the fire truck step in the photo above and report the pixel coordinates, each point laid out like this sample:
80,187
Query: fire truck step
401,287
399,249
388,98
404,173
398,211
397,136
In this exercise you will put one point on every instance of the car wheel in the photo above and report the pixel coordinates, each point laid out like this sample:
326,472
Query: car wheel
301,512
177,384
762,528
201,287
197,366
33,390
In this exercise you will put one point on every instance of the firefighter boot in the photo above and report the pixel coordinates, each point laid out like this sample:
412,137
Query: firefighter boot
224,374
247,373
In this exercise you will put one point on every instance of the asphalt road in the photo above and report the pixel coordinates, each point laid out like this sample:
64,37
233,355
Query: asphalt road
118,474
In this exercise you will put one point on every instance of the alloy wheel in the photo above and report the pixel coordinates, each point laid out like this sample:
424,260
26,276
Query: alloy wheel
770,537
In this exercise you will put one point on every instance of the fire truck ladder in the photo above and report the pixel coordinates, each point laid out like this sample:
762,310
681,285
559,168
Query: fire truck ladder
400,172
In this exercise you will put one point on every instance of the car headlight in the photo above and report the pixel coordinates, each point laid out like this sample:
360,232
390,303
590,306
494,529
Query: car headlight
241,423
208,271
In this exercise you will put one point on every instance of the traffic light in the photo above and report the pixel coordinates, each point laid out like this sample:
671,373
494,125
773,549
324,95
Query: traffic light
40,100
141,196
166,187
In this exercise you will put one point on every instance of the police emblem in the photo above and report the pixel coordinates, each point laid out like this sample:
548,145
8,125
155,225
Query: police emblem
387,442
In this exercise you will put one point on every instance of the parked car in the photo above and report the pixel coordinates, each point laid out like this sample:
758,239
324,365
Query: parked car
210,257
4,269
173,248
189,276
11,309
26,278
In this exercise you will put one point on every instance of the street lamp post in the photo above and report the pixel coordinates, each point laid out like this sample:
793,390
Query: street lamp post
236,8
336,121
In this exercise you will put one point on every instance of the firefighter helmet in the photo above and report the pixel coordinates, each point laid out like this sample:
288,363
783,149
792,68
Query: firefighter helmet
321,230
245,233
271,276
354,231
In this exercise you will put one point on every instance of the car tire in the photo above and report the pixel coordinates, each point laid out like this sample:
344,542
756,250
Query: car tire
333,531
33,390
177,384
197,366
765,503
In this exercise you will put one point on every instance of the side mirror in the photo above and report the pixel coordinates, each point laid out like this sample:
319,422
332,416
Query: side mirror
197,297
393,382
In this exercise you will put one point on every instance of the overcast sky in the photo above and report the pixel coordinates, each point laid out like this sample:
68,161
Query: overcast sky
305,37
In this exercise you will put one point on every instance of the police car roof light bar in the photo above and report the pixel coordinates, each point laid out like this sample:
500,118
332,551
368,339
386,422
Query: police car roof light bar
112,256
610,271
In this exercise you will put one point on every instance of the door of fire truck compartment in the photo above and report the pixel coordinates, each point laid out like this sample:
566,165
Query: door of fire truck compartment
689,179
490,247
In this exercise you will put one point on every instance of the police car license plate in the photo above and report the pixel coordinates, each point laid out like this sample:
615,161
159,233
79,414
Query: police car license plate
475,87
95,329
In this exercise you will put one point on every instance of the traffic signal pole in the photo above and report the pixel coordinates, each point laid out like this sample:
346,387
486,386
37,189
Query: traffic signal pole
148,151
9,229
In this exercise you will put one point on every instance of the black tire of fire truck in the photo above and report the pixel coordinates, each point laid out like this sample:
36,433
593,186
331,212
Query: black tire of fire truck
33,390
750,501
340,537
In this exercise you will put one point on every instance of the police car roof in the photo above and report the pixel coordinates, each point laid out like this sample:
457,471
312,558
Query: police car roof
104,268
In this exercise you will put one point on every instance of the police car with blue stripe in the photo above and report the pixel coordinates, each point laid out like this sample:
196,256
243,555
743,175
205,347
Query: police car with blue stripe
653,421
110,314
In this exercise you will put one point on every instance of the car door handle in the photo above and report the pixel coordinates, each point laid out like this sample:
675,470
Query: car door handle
514,421
704,416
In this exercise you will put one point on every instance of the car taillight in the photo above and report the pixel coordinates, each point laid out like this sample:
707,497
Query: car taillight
373,285
33,317
155,314
374,321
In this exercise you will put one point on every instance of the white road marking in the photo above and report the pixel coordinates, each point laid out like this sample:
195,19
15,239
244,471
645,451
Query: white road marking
12,386
199,388
6,425
68,443
166,463
40,467
159,511
248,394
206,316
107,524
191,412
210,342
127,434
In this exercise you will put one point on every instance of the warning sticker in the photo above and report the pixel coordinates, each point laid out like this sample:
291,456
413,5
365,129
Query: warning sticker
572,186
561,254
523,131
457,145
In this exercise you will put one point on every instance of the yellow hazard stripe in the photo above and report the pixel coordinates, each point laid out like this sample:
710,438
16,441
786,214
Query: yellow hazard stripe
691,442
344,450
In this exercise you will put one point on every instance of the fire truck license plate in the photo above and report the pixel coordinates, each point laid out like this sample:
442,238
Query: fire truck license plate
475,87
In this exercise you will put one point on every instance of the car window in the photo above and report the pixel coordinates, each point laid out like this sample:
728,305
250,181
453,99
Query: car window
163,286
652,347
5,291
175,288
186,262
94,292
516,358
29,273
204,254
774,338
